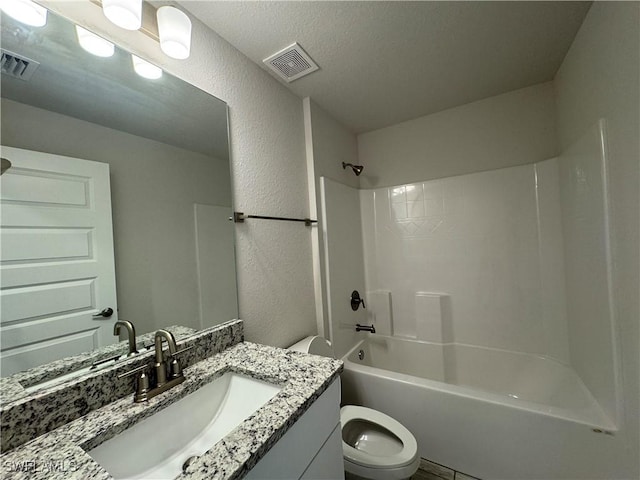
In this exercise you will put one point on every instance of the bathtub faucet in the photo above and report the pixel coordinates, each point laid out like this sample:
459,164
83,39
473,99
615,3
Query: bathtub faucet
366,328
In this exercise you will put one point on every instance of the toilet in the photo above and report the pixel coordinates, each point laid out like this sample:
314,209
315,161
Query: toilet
374,445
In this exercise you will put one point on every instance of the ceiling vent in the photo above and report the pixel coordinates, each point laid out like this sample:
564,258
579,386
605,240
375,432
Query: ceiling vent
17,66
291,63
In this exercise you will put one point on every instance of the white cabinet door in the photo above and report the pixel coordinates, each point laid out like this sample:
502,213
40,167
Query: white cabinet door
328,464
312,436
56,251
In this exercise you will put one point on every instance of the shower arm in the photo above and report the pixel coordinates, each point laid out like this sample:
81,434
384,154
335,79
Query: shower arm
357,169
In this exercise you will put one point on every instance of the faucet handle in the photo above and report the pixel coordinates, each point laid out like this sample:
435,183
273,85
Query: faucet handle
95,365
142,387
182,350
356,301
142,382
139,369
175,368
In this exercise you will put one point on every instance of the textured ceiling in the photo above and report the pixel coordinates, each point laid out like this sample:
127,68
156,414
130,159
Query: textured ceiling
386,62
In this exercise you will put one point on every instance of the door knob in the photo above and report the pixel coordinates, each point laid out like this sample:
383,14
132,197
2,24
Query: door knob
106,313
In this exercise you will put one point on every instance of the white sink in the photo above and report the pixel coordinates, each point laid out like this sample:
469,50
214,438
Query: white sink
158,446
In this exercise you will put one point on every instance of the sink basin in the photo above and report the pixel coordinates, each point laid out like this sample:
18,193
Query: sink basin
158,446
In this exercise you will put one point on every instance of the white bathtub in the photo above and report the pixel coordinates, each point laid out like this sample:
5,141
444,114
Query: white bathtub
486,412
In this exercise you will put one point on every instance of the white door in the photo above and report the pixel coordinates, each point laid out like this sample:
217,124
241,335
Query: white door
56,258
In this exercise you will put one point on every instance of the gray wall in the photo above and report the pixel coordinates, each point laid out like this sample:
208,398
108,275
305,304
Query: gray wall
514,128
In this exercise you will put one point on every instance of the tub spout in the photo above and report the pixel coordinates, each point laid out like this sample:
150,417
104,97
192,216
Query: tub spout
366,328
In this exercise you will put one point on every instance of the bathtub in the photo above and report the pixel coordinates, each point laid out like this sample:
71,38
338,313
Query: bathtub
489,413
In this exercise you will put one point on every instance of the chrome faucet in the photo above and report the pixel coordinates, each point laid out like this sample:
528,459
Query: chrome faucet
366,328
131,333
168,374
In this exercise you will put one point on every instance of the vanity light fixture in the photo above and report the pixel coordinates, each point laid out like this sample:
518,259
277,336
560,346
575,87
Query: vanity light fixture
126,14
146,69
94,44
25,11
174,30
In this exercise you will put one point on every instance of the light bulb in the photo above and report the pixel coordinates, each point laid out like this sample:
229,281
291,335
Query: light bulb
25,11
174,29
126,14
146,69
94,44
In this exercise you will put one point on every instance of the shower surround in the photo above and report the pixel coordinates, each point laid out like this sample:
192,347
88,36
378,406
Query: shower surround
475,259
516,259
502,279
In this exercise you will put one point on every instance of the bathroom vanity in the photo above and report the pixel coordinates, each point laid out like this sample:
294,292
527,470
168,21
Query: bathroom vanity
294,433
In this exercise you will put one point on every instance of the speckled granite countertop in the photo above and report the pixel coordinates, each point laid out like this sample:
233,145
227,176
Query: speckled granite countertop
16,385
44,410
61,454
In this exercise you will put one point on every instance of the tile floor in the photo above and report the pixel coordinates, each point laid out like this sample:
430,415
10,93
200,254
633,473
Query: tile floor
433,471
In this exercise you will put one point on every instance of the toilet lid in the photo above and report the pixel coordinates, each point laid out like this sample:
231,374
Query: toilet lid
403,457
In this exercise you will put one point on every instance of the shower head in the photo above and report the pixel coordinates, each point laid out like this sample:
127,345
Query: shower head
357,169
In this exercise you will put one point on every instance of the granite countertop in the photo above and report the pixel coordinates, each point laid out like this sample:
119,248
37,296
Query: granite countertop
19,384
61,453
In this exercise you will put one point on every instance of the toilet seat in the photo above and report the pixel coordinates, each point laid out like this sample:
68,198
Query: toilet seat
407,455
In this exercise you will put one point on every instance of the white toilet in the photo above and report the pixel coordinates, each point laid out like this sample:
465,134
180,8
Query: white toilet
374,445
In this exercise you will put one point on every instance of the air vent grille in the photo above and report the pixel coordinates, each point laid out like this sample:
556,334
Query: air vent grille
17,66
291,63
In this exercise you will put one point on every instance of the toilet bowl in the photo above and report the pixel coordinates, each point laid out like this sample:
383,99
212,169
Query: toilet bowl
374,445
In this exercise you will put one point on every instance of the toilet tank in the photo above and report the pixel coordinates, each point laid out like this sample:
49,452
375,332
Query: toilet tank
315,345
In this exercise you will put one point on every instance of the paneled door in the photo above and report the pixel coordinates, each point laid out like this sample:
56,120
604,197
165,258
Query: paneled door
57,269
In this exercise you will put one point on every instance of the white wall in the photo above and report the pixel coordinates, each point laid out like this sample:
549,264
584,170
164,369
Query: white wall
585,219
328,144
482,241
332,144
599,79
274,259
515,128
342,242
152,203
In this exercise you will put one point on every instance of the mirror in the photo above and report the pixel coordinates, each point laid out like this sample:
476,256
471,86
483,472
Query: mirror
166,145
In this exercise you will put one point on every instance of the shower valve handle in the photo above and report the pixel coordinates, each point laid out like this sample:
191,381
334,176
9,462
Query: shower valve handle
356,301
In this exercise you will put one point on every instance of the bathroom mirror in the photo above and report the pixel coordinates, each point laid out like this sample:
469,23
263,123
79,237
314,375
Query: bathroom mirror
166,144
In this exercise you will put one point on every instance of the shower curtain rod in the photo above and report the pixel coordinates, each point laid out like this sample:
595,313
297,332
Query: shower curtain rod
239,217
